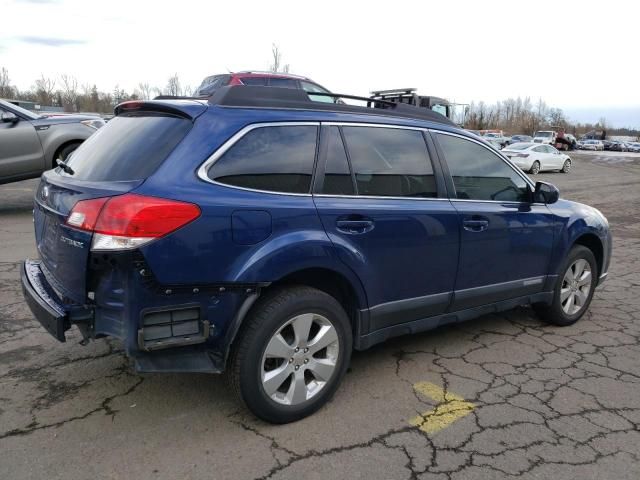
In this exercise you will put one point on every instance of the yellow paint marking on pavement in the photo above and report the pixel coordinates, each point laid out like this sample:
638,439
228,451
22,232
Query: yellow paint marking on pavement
450,408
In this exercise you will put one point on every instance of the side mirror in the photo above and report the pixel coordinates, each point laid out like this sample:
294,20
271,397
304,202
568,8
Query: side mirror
9,117
546,193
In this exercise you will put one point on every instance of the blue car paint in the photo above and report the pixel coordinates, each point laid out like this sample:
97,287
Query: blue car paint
416,262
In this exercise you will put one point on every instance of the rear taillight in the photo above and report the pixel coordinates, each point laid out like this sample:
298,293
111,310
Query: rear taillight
130,220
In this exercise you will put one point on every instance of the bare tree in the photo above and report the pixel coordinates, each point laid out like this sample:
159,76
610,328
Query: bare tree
277,66
173,86
69,93
144,90
6,90
45,90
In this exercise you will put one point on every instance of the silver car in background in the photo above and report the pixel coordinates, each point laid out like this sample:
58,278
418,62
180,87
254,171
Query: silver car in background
31,143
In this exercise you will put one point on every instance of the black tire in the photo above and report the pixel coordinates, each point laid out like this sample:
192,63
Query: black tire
535,168
264,320
64,152
566,167
554,313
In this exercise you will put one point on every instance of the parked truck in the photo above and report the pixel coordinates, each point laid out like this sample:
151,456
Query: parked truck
411,97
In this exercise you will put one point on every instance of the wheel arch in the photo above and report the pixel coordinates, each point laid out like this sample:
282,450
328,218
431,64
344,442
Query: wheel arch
593,243
344,287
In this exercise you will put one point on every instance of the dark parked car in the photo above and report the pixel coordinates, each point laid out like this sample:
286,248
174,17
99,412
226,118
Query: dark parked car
270,242
616,146
31,143
263,79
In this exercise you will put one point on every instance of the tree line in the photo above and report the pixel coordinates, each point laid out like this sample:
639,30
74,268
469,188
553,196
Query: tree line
66,92
513,115
518,115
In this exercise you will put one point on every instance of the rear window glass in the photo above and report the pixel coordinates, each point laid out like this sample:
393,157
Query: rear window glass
127,148
275,159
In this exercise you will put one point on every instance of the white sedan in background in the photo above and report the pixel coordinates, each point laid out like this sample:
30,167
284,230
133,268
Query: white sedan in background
536,157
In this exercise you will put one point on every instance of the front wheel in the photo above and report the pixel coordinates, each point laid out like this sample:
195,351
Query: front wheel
291,355
535,168
566,167
574,288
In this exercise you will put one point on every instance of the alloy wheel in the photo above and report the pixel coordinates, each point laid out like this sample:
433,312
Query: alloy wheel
535,168
576,286
300,359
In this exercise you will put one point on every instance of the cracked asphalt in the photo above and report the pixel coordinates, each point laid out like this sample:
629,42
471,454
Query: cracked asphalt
548,402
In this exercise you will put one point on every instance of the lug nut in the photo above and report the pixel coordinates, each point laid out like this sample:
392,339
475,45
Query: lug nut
291,360
306,350
297,367
297,350
306,360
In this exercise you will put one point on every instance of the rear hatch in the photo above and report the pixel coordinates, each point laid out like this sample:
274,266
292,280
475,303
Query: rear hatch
113,161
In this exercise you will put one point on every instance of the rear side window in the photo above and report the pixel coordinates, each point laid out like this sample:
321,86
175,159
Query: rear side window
257,81
128,148
479,174
390,162
275,159
337,176
283,82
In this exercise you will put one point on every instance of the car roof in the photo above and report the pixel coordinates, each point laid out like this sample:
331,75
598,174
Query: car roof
259,74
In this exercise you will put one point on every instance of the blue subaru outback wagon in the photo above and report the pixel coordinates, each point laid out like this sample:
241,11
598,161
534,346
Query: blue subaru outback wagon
267,235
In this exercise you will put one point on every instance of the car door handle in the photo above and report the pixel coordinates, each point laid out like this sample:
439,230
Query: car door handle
354,227
475,225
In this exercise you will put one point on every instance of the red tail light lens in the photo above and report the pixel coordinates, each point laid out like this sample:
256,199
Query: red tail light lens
132,215
85,213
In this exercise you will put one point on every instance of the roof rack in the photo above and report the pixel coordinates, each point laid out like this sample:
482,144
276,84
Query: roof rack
250,96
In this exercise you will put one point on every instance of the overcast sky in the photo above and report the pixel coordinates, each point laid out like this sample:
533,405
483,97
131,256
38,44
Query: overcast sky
586,64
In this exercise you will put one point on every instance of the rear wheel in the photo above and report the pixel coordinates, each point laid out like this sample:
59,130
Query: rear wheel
566,167
535,168
291,355
574,288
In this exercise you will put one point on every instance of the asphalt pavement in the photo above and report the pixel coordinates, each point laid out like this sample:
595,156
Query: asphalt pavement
503,396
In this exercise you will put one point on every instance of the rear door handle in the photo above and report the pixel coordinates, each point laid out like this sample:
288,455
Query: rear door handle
475,225
354,227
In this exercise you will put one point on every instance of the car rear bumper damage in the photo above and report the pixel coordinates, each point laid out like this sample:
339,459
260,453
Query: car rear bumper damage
177,329
52,314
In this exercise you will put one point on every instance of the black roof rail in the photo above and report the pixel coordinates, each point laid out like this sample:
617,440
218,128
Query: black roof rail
251,96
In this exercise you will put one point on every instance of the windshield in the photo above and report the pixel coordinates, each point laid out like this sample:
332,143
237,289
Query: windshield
544,134
21,111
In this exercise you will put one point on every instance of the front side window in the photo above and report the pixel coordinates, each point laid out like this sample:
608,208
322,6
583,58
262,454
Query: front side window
275,159
390,162
479,174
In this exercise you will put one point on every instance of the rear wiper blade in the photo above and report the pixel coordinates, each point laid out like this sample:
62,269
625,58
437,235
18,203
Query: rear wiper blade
65,167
